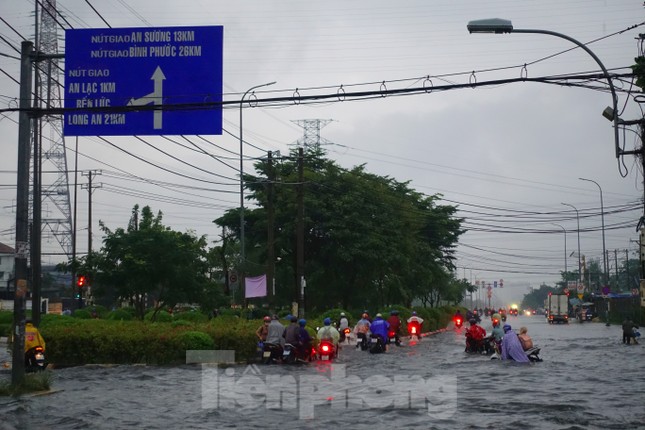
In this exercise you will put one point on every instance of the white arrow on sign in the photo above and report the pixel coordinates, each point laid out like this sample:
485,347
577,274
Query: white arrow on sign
155,97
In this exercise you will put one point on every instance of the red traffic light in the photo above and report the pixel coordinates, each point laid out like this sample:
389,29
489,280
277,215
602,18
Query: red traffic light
80,282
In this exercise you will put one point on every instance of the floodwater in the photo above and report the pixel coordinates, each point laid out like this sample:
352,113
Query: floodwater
588,380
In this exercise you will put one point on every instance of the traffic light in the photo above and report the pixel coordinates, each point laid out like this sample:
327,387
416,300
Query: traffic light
81,281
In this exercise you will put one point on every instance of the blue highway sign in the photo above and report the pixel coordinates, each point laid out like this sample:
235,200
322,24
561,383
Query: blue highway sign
143,81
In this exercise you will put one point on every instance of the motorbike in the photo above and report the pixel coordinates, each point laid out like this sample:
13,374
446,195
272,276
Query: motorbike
533,354
414,330
326,351
344,334
289,353
271,353
394,337
377,344
35,359
361,341
458,322
475,346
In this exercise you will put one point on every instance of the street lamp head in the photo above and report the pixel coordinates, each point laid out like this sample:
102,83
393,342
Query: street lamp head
491,25
608,113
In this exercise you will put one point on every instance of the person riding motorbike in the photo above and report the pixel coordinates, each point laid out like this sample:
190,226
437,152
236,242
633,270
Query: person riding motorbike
328,332
380,327
395,325
494,341
361,329
304,349
343,323
512,347
275,331
33,337
475,337
33,340
292,332
525,339
417,321
497,333
263,330
458,318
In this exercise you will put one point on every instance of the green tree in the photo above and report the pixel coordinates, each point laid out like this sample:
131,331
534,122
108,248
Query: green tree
536,298
369,240
148,263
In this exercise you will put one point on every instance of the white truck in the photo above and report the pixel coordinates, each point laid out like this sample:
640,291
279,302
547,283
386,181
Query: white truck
557,308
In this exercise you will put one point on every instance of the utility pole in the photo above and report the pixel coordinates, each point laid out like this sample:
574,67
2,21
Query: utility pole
270,229
300,235
22,216
75,218
90,187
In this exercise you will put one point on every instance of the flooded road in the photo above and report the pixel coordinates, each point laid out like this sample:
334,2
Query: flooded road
588,380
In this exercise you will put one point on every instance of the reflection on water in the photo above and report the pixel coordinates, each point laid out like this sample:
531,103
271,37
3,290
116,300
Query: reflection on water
588,379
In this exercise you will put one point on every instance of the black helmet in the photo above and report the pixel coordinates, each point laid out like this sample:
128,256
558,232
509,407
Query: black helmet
472,321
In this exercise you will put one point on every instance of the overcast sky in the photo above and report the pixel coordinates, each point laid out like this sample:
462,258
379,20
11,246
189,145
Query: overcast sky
507,155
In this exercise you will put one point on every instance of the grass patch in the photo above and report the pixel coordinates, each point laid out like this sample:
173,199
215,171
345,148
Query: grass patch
34,382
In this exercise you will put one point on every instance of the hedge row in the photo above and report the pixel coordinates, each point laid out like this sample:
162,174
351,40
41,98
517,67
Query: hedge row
116,338
71,341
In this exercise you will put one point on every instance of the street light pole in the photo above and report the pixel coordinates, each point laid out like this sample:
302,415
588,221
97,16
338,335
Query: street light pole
500,26
565,247
242,248
602,217
578,219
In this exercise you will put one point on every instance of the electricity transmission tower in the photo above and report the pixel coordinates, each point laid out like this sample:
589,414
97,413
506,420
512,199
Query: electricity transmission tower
50,162
311,137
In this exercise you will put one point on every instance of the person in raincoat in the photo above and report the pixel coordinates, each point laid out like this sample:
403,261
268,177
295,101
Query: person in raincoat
512,347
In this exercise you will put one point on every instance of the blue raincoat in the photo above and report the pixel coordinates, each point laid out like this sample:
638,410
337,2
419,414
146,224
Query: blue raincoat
512,348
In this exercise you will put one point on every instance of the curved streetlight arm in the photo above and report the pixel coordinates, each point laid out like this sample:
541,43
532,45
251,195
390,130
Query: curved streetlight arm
602,218
242,250
614,97
499,26
565,247
578,220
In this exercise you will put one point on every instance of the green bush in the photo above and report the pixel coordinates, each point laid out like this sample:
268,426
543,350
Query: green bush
61,320
229,312
191,316
191,340
181,323
120,315
334,314
72,341
160,316
6,317
83,314
5,329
